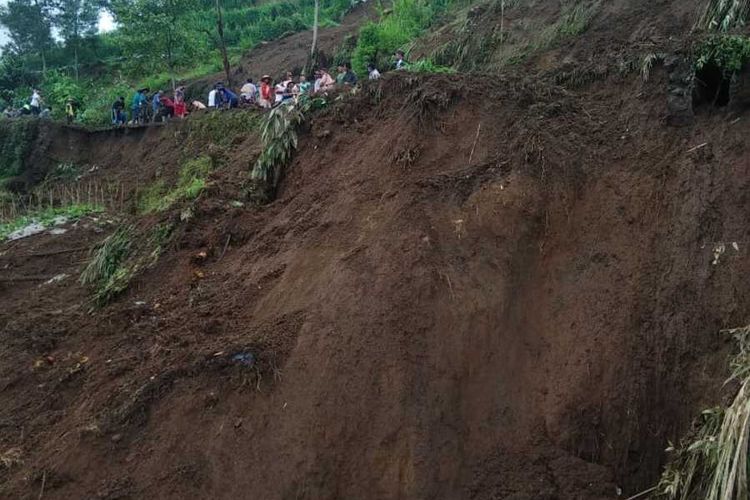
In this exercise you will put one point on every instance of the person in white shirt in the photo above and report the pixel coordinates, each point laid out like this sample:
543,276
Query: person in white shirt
280,89
249,92
373,72
36,102
323,81
212,98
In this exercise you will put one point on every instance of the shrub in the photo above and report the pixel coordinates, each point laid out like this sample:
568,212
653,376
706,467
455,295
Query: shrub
728,52
405,22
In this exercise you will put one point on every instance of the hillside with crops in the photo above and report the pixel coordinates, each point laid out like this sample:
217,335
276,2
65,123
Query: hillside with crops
511,269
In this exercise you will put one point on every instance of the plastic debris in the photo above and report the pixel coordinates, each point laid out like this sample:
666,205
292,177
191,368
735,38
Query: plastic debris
56,279
719,250
35,228
244,358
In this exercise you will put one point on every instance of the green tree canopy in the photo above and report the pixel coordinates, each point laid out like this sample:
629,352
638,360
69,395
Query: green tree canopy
29,27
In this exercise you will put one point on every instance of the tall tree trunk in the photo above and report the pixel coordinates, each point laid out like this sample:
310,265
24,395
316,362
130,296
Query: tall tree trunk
171,42
222,43
75,59
314,47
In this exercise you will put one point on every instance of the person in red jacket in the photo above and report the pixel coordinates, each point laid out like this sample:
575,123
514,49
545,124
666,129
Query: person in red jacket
166,111
266,93
180,107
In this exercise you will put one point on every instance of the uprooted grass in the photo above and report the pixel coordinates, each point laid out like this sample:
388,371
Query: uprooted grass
712,464
120,257
11,457
723,15
279,135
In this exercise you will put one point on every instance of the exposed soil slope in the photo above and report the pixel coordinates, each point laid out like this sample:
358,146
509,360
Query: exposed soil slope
513,293
437,309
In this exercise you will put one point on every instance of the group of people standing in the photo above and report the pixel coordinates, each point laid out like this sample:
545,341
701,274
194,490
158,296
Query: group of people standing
268,94
265,94
150,107
146,107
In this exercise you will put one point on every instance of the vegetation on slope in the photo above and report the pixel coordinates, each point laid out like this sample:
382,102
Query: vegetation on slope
713,463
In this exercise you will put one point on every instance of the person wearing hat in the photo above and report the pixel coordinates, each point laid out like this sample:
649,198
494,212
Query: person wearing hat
266,93
70,110
118,112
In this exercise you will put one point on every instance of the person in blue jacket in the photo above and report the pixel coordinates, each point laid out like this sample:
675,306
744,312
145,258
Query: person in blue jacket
139,100
156,104
230,98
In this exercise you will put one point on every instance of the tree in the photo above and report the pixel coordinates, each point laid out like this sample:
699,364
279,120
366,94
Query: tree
29,27
153,33
220,41
314,47
76,19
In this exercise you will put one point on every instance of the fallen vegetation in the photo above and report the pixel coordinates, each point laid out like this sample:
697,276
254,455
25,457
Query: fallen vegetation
712,463
120,257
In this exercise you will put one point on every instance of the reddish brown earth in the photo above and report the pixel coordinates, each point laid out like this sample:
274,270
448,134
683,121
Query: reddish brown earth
526,309
500,295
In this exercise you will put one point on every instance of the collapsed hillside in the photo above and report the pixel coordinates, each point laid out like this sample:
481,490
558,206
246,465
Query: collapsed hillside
513,293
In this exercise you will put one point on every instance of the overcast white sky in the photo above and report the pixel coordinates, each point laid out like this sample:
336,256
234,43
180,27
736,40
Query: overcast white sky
106,23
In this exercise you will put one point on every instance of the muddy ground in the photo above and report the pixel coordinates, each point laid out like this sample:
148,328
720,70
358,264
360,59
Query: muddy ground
511,294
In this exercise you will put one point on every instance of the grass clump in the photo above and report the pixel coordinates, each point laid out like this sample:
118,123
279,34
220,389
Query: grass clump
191,182
723,15
713,463
222,128
427,66
120,257
105,270
47,217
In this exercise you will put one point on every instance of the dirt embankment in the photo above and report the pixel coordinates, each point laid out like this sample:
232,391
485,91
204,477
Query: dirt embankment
508,296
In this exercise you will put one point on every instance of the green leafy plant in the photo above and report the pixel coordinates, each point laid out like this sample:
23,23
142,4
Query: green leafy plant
727,52
395,30
712,463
